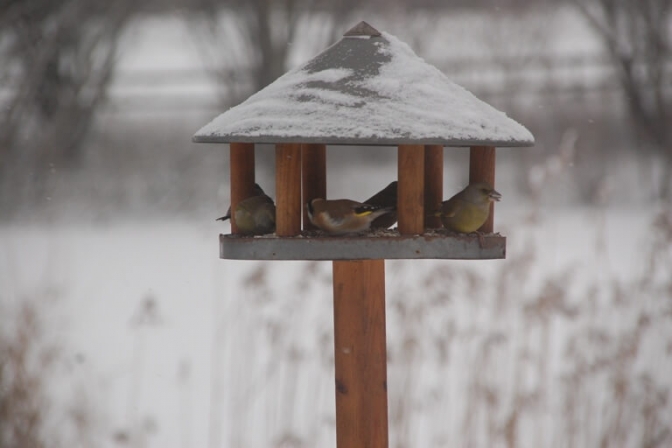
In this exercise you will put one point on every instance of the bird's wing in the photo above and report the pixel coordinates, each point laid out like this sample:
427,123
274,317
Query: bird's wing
363,211
367,209
340,208
451,207
269,211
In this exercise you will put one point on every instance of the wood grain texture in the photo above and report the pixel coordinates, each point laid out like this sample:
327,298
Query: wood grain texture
288,189
433,184
411,189
241,158
360,354
482,169
314,177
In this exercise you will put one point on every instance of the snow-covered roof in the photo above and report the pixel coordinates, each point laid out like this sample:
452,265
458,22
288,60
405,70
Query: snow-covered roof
369,88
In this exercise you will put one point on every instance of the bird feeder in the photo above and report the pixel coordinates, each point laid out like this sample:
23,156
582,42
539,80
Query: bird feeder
367,89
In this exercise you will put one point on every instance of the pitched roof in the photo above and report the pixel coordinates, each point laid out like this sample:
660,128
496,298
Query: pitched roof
369,88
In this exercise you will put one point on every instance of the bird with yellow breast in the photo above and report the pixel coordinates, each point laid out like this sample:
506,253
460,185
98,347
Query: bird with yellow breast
469,209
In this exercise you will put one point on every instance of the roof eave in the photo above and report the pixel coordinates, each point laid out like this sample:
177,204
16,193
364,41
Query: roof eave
344,141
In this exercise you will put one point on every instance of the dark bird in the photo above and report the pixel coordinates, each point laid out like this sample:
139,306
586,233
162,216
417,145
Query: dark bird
387,197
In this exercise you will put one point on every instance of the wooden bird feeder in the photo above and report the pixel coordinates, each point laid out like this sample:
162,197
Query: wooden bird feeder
367,89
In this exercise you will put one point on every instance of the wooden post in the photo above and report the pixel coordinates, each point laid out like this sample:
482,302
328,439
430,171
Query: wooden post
411,189
482,169
314,175
360,354
241,165
288,189
433,184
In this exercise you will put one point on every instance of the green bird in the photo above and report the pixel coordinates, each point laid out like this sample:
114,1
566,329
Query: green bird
254,215
469,209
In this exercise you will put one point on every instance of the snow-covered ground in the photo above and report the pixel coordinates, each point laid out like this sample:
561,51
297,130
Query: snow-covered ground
172,347
568,342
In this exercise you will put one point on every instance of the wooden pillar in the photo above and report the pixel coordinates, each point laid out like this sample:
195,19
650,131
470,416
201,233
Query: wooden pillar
360,354
241,158
411,189
288,189
433,184
314,175
482,169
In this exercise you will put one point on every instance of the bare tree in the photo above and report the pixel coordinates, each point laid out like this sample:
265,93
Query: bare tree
638,40
247,44
58,57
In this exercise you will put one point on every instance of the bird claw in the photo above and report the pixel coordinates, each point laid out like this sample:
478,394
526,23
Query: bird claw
481,239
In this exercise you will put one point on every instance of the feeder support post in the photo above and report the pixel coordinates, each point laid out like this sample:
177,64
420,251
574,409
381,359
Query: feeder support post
360,354
288,189
411,189
241,165
314,177
433,184
482,169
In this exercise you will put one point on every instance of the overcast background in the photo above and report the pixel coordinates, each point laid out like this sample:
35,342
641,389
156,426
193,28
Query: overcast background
119,325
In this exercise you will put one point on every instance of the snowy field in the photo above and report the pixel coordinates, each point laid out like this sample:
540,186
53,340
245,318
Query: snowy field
565,343
159,344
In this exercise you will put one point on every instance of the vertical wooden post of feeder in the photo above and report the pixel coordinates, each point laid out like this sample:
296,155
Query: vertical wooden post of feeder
411,189
482,169
360,354
241,164
433,184
288,189
314,177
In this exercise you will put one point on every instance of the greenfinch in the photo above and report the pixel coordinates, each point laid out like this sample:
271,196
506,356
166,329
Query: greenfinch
254,215
469,209
343,216
386,197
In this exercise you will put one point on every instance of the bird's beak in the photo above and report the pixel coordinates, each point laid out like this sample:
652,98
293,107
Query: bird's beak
495,195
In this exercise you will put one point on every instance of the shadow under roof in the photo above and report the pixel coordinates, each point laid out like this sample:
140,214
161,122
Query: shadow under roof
369,88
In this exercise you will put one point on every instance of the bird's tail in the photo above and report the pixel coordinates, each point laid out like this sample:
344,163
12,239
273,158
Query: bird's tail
225,217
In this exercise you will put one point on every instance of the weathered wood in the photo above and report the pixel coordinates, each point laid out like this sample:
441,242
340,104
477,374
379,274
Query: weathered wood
411,189
314,177
288,189
482,169
241,164
433,184
454,247
360,354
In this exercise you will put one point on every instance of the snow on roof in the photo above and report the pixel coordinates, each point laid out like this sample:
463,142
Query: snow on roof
368,89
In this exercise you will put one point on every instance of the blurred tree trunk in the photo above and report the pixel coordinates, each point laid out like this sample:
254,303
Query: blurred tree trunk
638,39
58,57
